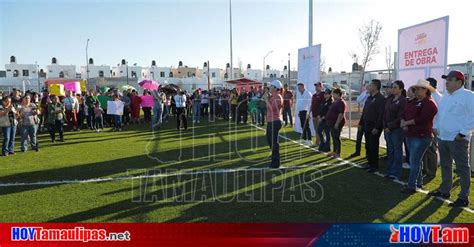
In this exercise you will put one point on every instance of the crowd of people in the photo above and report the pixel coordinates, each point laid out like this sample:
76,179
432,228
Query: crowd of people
418,120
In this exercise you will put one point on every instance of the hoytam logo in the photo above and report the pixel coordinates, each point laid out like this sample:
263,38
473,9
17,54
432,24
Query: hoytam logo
435,234
421,38
75,234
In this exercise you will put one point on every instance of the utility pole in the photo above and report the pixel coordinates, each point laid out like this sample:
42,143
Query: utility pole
126,65
87,61
289,75
310,36
208,76
230,22
38,76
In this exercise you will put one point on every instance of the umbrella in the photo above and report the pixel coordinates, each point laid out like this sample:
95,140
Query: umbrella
170,88
104,89
149,84
126,87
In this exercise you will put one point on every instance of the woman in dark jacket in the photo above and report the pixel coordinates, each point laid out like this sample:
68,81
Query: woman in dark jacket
323,130
394,136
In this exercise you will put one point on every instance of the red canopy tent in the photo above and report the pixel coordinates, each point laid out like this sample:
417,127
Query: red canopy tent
245,83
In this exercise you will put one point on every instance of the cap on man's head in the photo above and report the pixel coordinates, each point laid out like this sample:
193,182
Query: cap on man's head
327,91
433,82
454,74
277,84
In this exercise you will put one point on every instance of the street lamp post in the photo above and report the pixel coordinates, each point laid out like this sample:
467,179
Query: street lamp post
87,61
289,75
264,57
126,65
230,33
38,76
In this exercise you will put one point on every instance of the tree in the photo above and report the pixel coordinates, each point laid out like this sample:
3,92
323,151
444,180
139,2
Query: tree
322,65
369,36
389,61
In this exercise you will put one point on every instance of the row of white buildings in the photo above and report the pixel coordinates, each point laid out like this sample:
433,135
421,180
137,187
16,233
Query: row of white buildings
32,76
185,76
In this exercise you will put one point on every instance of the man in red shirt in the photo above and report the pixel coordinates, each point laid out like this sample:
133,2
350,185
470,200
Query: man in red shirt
316,101
287,104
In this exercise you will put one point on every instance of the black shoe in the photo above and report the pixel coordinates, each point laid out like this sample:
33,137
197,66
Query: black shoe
23,151
36,149
4,154
354,155
11,153
407,190
439,194
459,203
372,170
419,186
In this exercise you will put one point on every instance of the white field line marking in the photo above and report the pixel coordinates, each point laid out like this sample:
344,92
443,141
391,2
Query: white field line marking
343,162
216,171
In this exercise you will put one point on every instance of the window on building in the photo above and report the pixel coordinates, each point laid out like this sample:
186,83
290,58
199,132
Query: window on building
189,74
26,72
213,74
171,74
113,73
134,74
61,74
15,73
162,74
101,73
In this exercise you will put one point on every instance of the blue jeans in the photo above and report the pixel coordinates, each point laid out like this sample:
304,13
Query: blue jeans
197,111
287,115
31,132
417,148
117,121
394,141
157,115
273,128
99,122
8,139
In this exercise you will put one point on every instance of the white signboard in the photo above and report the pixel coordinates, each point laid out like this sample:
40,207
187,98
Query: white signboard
115,107
308,73
423,52
309,66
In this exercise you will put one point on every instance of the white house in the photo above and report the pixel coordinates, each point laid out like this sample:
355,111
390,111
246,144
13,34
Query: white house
156,73
95,70
272,73
134,71
254,74
14,69
54,70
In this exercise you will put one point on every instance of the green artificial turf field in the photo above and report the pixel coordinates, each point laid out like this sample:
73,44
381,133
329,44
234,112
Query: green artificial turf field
141,176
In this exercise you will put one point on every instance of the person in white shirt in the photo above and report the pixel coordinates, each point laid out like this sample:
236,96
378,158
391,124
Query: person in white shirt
180,100
453,126
303,105
72,108
430,158
205,103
